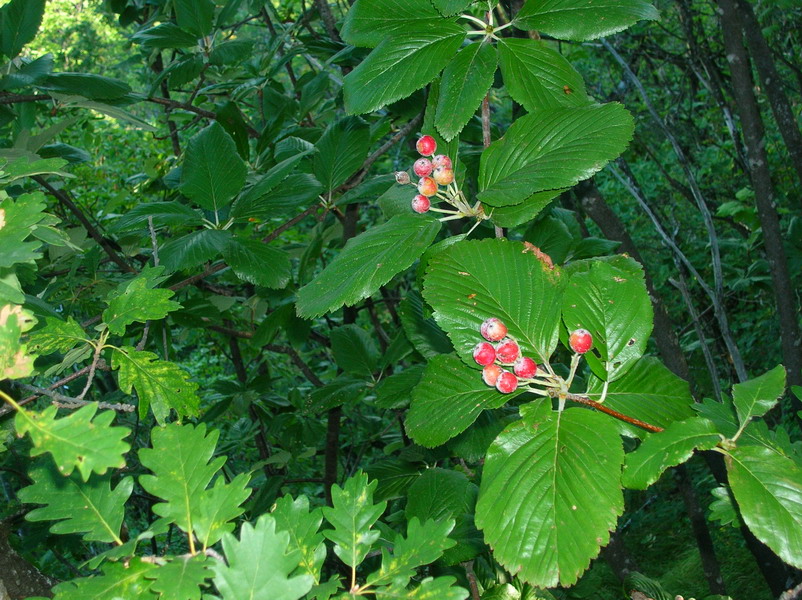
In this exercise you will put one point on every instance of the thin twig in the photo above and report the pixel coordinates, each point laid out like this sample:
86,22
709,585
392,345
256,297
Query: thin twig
609,411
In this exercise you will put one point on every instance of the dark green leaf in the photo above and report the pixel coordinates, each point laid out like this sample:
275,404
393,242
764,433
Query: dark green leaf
19,22
243,207
194,16
165,214
354,350
756,397
340,151
369,22
451,7
94,87
422,331
258,263
194,249
296,192
166,35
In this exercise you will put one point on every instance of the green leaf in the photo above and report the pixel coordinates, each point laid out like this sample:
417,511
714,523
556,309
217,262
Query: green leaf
448,399
248,202
259,565
671,447
15,362
394,477
213,172
218,507
166,35
164,214
465,82
369,22
538,77
119,580
471,281
582,20
194,249
352,515
649,392
367,262
354,350
87,85
756,397
19,22
182,577
517,214
341,150
768,490
294,517
297,191
550,149
402,63
91,508
550,493
395,390
421,331
160,385
137,301
78,440
451,7
194,16
611,301
439,588
258,263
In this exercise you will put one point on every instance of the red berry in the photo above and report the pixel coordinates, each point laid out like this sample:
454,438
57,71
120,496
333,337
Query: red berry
421,204
441,160
443,176
426,145
427,186
422,167
402,177
508,351
580,341
493,329
490,374
524,367
484,353
506,382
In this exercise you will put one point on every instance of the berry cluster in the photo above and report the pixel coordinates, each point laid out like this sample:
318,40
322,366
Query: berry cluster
506,352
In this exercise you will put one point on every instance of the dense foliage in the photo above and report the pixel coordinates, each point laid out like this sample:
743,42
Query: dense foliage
329,301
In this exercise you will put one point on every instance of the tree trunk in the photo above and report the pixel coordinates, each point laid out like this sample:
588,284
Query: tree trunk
754,137
18,578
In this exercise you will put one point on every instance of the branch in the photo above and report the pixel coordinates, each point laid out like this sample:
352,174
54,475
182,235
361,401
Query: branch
608,411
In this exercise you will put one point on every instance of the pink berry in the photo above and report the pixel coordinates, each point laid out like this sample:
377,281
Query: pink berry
421,204
493,329
508,351
580,341
426,145
441,160
506,382
490,374
443,176
484,353
524,367
402,177
422,167
427,186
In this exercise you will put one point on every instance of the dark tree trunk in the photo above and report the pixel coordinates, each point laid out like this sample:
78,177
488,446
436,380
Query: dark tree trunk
754,137
18,578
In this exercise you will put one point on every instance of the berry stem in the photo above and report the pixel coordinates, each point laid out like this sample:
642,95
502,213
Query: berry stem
574,364
446,211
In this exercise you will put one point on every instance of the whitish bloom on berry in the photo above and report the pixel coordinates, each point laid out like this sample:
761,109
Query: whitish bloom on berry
421,204
484,353
580,341
493,329
422,167
426,145
506,382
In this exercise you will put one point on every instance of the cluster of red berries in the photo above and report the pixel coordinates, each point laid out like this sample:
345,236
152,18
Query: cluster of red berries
434,171
506,352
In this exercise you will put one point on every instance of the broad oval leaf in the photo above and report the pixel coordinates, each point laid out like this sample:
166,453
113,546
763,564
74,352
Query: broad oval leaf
448,399
768,490
366,263
666,449
354,350
193,249
194,15
166,35
401,64
474,280
369,22
163,214
340,151
19,22
756,397
537,76
88,85
258,263
582,20
551,493
552,148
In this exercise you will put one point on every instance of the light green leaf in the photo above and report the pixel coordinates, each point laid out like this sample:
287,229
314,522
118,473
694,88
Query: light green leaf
294,517
550,149
218,507
166,35
465,82
471,281
448,399
193,249
550,493
666,449
91,508
258,263
137,301
582,20
259,565
78,440
194,16
119,580
517,214
182,577
352,515
439,588
160,385
537,76
610,300
354,350
768,490
648,391
369,22
367,262
341,150
19,22
756,397
15,362
213,172
402,63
